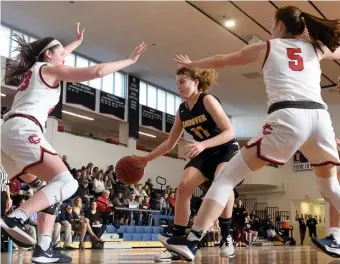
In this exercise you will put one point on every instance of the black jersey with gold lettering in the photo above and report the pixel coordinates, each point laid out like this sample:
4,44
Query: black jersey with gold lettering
198,122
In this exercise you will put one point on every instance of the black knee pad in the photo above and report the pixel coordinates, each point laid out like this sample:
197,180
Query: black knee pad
52,210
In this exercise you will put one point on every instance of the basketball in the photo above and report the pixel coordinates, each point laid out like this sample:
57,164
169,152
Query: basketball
129,170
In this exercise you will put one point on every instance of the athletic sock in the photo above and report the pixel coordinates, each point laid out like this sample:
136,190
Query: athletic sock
335,232
19,214
195,235
44,241
224,224
178,230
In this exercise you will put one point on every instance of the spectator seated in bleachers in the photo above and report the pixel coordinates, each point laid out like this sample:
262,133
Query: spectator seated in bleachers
164,205
62,225
120,201
105,207
98,184
95,219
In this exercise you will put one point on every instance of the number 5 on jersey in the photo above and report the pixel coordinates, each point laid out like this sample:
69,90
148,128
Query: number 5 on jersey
296,61
200,132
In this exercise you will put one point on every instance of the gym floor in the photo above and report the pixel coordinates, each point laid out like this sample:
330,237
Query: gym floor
253,255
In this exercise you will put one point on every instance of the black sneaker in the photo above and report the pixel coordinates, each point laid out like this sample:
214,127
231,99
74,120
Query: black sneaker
185,248
49,256
13,227
327,245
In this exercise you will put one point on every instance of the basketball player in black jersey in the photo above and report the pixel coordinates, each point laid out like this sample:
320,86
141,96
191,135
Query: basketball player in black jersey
202,116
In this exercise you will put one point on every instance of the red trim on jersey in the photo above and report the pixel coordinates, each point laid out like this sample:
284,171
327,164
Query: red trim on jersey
41,160
42,79
267,54
336,163
32,118
258,144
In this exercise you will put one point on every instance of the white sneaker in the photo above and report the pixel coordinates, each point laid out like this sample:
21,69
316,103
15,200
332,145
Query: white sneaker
227,248
167,256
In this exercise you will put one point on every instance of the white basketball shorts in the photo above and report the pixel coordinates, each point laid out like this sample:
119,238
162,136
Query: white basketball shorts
22,145
287,130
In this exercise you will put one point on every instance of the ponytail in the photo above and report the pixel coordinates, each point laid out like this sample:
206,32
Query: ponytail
206,79
29,54
322,31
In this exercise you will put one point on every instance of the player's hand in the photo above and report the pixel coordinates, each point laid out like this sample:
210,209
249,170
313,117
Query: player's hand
79,35
183,60
142,159
139,50
193,149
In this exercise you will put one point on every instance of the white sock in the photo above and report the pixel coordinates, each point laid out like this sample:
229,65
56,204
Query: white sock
335,231
231,174
20,214
195,235
44,241
330,190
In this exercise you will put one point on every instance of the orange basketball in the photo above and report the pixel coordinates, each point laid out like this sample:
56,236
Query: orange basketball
130,170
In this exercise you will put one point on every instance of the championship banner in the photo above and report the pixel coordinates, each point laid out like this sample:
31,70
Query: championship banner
152,118
57,110
133,106
112,105
300,162
169,122
77,93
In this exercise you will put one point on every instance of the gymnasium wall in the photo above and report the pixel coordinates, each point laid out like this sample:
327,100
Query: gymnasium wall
80,151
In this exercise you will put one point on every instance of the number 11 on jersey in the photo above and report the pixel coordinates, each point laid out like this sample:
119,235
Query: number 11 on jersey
200,132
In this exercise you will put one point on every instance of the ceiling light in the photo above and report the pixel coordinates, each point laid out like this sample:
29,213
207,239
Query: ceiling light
80,116
146,134
3,95
229,23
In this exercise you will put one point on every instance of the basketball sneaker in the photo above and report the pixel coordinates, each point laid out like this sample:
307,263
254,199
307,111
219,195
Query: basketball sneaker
13,227
167,256
185,248
327,245
49,256
227,247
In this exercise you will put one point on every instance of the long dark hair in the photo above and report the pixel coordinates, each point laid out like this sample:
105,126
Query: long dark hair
321,31
28,55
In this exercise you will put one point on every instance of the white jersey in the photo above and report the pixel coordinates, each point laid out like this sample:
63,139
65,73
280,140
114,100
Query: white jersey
34,96
292,71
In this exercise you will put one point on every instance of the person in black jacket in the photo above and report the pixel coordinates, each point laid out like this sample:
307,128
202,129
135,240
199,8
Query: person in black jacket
312,223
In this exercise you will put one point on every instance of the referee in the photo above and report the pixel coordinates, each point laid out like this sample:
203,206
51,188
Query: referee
5,193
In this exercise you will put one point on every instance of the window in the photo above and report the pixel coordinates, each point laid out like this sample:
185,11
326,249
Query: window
170,103
96,83
14,44
161,100
108,83
70,60
32,39
81,62
178,101
5,41
152,96
119,84
142,93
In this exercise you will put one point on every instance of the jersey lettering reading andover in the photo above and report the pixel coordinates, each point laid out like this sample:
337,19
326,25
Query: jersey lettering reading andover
296,63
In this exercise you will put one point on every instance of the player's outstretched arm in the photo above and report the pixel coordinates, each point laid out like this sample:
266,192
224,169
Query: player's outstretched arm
70,74
167,145
244,56
75,44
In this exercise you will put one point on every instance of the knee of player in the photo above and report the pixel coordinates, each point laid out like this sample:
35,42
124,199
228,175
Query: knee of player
183,190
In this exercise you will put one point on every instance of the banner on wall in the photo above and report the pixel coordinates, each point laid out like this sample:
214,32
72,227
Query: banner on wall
133,106
152,118
112,105
169,122
300,162
57,110
77,93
